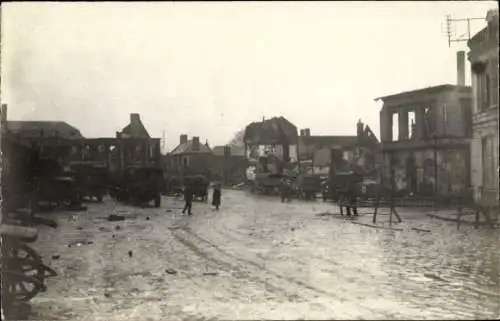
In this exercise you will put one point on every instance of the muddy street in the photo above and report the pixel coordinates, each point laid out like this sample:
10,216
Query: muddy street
258,258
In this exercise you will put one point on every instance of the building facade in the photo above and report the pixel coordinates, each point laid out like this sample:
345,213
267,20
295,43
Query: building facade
483,56
359,150
229,164
430,153
190,157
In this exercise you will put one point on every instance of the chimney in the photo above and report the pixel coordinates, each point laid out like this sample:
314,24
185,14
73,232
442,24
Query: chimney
183,139
227,151
196,143
135,121
461,68
135,118
360,128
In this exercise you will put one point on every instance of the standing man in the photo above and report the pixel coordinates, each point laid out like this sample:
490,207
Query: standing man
188,199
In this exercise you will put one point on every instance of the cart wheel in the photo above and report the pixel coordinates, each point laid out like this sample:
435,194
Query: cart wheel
19,287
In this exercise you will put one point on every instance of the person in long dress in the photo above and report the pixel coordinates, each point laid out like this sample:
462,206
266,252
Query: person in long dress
216,196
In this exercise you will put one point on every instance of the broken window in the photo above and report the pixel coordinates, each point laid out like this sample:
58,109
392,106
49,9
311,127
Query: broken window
412,128
429,123
395,127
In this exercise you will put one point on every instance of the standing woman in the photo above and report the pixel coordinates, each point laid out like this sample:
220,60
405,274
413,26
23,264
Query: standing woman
216,196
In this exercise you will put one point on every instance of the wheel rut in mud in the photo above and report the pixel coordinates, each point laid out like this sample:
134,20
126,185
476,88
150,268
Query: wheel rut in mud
211,251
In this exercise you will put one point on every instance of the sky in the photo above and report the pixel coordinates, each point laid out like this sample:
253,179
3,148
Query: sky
208,69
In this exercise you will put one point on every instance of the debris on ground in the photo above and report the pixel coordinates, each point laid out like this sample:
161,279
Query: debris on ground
79,228
147,218
130,253
117,227
420,229
107,295
292,229
113,236
55,257
325,214
104,229
168,211
80,243
114,218
210,273
171,271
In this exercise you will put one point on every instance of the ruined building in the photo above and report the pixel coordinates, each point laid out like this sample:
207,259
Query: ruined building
427,152
483,57
62,142
357,150
271,144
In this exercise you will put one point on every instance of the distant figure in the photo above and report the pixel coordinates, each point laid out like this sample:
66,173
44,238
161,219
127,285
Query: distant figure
285,190
216,196
188,198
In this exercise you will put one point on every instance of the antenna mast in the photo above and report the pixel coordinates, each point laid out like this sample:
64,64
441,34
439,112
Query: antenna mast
464,24
163,141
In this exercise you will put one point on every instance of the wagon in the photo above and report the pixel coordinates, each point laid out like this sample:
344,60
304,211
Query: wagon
200,186
173,185
267,183
54,185
309,185
139,185
93,180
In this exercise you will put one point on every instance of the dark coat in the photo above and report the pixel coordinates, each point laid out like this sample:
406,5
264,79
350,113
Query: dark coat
188,193
216,196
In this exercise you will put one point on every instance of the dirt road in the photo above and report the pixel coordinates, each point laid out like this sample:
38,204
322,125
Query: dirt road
258,258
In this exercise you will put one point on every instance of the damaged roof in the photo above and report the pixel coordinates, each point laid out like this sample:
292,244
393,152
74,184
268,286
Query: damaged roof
427,91
143,133
43,129
276,130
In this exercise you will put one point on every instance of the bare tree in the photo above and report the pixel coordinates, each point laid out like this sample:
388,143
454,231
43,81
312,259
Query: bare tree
237,140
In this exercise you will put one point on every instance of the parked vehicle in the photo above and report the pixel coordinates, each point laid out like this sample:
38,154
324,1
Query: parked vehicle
173,185
139,185
200,184
309,185
93,180
266,183
54,185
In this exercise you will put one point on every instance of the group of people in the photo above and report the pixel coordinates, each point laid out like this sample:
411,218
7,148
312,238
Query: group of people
189,195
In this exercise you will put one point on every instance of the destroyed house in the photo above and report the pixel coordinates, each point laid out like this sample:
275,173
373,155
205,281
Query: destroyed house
135,129
47,136
425,140
359,150
43,129
276,136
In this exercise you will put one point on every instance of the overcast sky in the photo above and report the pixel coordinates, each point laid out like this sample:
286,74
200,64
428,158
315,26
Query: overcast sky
208,69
